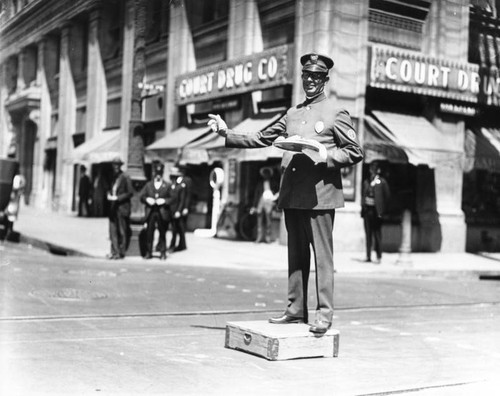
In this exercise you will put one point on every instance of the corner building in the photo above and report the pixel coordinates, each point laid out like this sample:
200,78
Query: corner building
84,81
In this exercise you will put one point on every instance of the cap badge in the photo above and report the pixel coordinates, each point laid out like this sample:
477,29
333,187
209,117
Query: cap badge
319,126
314,58
351,134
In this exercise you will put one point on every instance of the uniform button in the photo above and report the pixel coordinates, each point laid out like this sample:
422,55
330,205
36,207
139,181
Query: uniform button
293,169
308,107
303,122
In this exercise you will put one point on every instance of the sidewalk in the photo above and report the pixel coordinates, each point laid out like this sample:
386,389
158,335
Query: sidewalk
72,235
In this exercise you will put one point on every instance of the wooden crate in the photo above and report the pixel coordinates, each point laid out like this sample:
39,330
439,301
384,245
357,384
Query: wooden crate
281,342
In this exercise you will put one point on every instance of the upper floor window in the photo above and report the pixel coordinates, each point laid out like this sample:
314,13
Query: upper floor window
398,22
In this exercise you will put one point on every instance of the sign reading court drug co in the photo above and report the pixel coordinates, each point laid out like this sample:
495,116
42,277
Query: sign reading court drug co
264,70
407,71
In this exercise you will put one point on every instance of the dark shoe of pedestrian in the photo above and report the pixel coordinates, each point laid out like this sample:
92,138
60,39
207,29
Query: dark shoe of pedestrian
110,256
148,256
163,256
285,319
320,327
179,249
367,260
120,257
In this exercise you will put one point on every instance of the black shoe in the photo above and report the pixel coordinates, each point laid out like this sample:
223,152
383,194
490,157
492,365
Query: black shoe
285,319
320,327
148,256
179,249
163,256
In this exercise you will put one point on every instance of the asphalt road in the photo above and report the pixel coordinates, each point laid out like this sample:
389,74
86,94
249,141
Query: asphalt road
79,326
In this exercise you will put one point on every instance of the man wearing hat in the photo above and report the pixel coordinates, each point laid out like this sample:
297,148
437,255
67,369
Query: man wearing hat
119,212
324,141
181,199
156,196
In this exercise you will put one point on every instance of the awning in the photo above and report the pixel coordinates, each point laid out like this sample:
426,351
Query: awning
482,149
403,138
169,146
212,146
101,148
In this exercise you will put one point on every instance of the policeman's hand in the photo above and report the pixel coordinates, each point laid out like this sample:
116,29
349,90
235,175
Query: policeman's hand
316,155
160,201
217,124
185,212
112,197
177,214
252,211
150,201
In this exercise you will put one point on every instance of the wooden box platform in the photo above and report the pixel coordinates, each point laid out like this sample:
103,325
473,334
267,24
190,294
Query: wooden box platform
281,342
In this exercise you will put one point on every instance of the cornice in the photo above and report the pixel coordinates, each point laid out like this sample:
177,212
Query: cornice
37,20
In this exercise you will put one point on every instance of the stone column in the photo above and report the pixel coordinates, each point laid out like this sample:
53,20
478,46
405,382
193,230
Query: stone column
181,59
42,189
133,70
338,29
67,124
244,31
21,84
96,78
446,36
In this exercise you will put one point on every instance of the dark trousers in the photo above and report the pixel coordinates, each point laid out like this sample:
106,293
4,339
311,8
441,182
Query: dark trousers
179,230
83,207
119,233
373,231
156,222
308,228
264,224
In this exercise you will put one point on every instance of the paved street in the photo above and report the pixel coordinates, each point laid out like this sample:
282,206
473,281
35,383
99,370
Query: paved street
76,325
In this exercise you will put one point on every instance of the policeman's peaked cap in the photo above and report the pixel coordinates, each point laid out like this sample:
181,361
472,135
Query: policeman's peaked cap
158,166
316,62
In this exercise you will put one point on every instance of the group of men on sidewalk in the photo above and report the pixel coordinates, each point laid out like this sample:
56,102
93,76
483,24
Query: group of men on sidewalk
166,206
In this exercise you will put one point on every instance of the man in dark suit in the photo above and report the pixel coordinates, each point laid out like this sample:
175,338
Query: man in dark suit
84,193
181,188
119,196
311,185
374,197
156,196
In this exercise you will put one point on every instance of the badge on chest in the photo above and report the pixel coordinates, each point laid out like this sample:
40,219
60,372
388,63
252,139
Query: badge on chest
319,126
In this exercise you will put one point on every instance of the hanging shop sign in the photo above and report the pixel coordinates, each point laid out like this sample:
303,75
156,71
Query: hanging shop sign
417,73
453,108
264,70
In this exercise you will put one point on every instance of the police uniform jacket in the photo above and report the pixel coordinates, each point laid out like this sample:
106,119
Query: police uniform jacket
181,194
150,191
381,195
304,184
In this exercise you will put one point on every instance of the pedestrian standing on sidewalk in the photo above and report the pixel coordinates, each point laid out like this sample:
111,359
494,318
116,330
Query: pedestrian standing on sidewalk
263,205
374,198
311,185
156,196
84,193
119,211
181,190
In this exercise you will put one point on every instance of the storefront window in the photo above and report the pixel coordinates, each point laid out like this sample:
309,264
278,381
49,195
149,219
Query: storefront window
481,197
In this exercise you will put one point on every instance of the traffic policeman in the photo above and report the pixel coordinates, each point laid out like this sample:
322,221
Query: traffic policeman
311,185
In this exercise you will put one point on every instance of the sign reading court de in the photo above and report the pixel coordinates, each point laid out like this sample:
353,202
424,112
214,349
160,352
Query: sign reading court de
266,69
407,71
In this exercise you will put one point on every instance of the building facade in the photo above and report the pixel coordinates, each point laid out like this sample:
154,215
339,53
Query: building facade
84,81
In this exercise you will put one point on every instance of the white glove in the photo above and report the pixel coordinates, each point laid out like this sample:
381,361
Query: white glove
316,156
217,124
160,201
150,201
